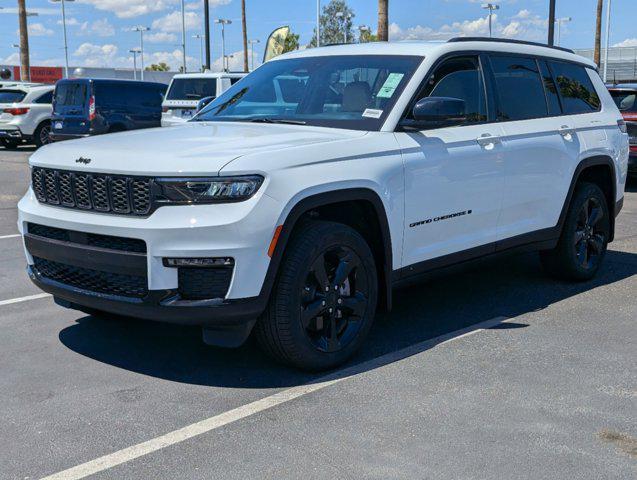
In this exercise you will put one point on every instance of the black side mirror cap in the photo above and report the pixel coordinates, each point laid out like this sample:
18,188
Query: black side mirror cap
432,112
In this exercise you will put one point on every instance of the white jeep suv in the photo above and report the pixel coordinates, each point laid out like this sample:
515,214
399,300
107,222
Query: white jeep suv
295,215
25,114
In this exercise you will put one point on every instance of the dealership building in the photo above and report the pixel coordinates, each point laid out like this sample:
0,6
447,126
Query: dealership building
53,74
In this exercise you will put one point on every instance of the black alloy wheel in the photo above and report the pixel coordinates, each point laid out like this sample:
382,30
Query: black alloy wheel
590,237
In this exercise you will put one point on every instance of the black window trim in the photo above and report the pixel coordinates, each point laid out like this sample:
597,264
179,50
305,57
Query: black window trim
489,84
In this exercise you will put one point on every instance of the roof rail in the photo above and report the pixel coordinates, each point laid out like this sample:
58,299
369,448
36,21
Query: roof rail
504,40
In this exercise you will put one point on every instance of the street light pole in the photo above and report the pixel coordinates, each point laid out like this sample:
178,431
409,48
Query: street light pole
183,32
607,40
252,42
134,51
66,45
318,23
223,22
559,22
141,31
15,45
491,7
200,37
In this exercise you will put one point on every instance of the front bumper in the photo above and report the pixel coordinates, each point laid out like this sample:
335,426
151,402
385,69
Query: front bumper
241,231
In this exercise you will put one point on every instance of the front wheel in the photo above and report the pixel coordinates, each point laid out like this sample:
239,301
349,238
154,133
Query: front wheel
584,239
324,299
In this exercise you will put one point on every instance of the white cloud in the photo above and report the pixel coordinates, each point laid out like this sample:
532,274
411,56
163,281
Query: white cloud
172,22
130,8
13,59
523,14
235,62
173,59
629,42
91,55
160,37
99,28
70,22
38,30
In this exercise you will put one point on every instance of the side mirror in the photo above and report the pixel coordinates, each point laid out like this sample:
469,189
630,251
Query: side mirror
203,102
437,111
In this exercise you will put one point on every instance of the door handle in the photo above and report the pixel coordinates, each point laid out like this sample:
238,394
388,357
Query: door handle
566,131
486,140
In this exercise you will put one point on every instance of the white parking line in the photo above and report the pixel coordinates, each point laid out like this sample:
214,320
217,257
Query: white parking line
130,453
24,299
9,236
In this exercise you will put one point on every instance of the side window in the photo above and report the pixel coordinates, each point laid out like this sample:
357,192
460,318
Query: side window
576,88
519,88
234,80
552,99
460,78
46,98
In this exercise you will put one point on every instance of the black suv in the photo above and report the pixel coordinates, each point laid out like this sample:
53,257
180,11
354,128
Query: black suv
84,107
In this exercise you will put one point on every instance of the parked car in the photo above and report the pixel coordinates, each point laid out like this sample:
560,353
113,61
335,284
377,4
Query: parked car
295,219
86,107
625,96
25,114
186,90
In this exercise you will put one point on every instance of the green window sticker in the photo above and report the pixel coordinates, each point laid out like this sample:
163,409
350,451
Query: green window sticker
390,85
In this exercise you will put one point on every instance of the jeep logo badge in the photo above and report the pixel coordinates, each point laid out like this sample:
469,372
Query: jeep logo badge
83,160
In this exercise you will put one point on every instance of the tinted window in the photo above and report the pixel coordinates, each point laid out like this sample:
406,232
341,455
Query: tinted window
192,88
625,100
550,89
519,88
234,80
150,97
576,88
346,91
11,96
46,98
460,78
109,94
71,94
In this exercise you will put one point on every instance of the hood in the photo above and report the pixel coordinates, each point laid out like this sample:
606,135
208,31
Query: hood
195,148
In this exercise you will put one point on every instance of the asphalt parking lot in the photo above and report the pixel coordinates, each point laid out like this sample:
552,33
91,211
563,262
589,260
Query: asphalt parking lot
493,373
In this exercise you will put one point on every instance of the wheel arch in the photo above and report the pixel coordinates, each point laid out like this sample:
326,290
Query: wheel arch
335,205
598,169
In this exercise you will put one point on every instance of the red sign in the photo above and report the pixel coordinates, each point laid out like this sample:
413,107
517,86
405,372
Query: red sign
41,74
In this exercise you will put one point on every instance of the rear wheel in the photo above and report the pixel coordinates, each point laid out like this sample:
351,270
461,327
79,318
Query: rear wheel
584,239
41,136
324,300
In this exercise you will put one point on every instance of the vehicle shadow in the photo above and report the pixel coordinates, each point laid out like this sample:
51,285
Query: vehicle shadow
427,311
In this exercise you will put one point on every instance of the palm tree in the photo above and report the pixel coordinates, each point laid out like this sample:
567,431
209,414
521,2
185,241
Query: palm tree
383,20
245,35
598,31
25,67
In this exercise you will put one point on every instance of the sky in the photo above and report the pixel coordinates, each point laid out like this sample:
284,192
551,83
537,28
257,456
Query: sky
99,31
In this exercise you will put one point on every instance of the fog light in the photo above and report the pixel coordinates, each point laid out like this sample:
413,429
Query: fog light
198,262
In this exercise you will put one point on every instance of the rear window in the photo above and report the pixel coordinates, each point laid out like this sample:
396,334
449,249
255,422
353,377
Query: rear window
11,96
576,88
519,87
192,88
71,94
625,100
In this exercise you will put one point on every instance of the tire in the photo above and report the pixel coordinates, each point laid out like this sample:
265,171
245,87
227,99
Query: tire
41,135
9,144
584,240
310,324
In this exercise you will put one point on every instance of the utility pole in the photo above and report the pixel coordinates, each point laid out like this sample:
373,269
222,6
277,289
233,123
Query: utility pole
598,33
383,20
206,30
183,32
25,67
245,36
551,39
608,6
491,7
141,31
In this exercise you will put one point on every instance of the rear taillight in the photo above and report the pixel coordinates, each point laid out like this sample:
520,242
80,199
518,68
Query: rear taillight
633,148
164,109
16,111
91,108
622,126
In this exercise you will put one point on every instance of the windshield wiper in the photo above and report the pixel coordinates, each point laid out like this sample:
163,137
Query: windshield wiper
277,120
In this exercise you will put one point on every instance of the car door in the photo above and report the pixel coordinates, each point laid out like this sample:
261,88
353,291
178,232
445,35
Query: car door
453,173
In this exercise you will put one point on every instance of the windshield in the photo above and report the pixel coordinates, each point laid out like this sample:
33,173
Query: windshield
192,88
355,92
625,100
11,96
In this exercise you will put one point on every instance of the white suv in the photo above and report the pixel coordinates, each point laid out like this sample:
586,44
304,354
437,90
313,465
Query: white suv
25,114
295,215
187,90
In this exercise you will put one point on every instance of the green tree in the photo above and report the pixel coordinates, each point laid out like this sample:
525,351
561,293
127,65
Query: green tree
158,67
291,42
335,21
367,36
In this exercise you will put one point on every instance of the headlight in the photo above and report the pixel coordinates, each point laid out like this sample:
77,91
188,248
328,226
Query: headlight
209,190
